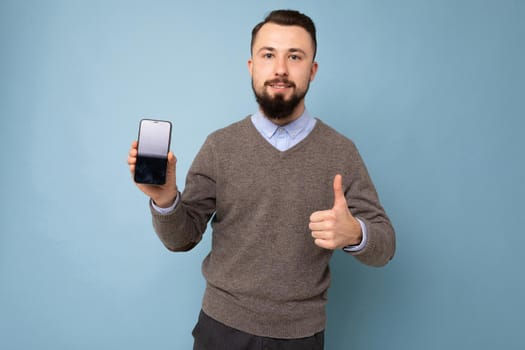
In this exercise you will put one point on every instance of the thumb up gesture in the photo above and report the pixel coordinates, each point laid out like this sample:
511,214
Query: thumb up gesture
336,227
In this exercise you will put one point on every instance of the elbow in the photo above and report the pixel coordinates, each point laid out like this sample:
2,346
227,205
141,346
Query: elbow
382,262
184,248
387,254
379,252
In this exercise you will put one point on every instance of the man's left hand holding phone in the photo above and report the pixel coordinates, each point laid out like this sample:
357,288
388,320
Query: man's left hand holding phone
152,164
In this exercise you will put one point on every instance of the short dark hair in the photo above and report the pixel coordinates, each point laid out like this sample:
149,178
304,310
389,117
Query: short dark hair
288,18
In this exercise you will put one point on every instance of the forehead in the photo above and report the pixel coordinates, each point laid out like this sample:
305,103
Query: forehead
283,38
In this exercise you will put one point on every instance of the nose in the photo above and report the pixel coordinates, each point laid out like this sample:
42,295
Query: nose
281,67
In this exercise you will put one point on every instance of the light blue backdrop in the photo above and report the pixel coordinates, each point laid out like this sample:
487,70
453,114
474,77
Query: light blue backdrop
432,92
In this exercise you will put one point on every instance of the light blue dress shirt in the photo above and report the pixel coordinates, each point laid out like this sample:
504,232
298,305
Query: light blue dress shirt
283,138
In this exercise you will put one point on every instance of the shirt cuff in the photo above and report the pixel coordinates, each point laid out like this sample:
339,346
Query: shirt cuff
360,246
165,211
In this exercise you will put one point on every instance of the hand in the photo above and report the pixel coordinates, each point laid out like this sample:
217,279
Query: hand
335,228
163,195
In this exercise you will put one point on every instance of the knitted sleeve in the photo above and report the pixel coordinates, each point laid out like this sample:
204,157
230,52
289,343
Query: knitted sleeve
182,229
364,203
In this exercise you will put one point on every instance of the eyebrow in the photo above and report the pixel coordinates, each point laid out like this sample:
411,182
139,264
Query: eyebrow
272,49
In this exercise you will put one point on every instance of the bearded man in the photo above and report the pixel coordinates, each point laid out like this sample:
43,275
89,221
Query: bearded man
283,190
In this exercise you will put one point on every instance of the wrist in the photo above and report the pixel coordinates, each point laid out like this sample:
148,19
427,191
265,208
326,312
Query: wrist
363,239
165,202
358,237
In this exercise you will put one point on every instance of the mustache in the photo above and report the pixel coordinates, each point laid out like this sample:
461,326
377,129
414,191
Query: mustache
280,81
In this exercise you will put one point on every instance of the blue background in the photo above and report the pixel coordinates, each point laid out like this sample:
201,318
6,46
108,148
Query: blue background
432,92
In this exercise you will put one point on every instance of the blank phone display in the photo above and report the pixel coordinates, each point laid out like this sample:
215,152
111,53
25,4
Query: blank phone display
153,147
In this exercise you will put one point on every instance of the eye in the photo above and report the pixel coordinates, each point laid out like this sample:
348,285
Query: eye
268,55
295,57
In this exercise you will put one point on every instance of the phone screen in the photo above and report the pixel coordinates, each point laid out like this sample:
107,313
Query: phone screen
153,148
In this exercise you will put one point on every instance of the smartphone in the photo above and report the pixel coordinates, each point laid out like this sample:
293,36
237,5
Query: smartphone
153,147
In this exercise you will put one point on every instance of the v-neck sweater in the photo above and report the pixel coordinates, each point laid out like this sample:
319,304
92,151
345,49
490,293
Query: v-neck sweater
264,274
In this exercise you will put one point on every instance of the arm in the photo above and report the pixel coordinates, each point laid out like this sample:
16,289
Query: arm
182,228
354,207
363,202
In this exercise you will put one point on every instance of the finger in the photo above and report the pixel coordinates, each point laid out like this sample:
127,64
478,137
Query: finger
171,169
326,225
320,235
171,158
134,147
339,195
326,244
322,215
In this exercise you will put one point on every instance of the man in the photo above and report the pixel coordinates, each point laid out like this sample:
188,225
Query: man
283,190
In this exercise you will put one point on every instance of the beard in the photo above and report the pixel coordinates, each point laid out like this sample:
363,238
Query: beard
277,107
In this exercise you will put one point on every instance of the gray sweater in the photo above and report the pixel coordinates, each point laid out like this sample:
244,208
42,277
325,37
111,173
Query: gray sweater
264,274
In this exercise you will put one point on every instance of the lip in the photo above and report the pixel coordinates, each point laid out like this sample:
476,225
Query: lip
280,85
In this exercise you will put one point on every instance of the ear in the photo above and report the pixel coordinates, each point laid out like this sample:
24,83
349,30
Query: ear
250,66
313,70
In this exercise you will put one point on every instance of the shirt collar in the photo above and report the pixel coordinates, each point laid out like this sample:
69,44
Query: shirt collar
268,128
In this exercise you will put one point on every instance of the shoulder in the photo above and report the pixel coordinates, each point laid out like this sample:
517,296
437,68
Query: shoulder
333,138
229,136
335,146
233,129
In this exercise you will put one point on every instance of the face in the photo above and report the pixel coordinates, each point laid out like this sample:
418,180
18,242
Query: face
282,68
